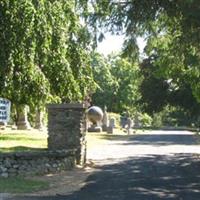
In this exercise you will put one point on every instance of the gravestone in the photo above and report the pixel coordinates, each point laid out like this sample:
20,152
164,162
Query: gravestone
136,121
95,115
39,120
105,119
67,128
123,121
111,125
22,118
129,125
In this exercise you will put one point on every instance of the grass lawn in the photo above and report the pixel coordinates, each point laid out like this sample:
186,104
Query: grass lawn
21,185
16,140
12,141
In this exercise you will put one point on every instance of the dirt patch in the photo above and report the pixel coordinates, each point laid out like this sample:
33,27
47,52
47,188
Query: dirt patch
65,182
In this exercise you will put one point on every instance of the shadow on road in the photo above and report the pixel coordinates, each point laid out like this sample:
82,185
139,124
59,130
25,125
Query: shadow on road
157,139
160,139
141,178
150,177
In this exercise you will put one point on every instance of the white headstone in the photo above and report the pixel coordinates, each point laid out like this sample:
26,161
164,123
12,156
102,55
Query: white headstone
105,119
129,125
112,123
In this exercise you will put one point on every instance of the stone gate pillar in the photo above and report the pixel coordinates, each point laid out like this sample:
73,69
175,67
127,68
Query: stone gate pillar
67,128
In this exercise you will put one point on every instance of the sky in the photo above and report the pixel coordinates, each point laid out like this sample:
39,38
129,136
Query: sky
113,43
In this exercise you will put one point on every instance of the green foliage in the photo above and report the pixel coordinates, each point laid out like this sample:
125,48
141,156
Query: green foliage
128,78
118,81
173,117
21,80
172,31
45,52
154,90
145,119
107,84
157,120
170,75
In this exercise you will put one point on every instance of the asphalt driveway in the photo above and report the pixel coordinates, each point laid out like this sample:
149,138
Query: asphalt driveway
156,165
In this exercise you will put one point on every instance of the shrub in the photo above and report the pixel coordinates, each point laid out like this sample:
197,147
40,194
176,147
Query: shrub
145,119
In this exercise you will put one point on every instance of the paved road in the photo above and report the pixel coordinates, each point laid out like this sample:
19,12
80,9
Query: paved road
160,165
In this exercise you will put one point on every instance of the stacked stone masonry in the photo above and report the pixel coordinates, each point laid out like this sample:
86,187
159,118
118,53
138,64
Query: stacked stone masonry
67,128
39,162
66,145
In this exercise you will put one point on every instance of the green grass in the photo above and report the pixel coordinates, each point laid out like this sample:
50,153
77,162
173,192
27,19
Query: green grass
21,185
14,141
17,141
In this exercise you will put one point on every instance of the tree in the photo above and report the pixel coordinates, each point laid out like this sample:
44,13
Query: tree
154,90
45,52
21,80
178,21
107,85
129,78
118,81
159,91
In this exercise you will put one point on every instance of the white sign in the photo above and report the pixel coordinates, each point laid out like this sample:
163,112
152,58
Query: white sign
4,110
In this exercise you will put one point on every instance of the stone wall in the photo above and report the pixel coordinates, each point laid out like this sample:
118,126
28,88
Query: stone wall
66,144
67,128
38,162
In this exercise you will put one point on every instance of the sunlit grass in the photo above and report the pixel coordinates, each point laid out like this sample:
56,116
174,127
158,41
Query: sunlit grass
12,141
17,140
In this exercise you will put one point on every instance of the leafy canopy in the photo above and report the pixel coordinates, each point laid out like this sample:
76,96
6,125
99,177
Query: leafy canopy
45,52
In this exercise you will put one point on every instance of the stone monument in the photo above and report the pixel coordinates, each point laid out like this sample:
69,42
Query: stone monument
95,115
105,119
112,122
129,125
66,128
136,121
111,125
39,120
22,118
123,121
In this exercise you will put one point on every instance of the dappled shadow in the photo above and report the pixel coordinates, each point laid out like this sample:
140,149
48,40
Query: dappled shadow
157,139
144,176
148,177
169,128
18,138
20,149
160,139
